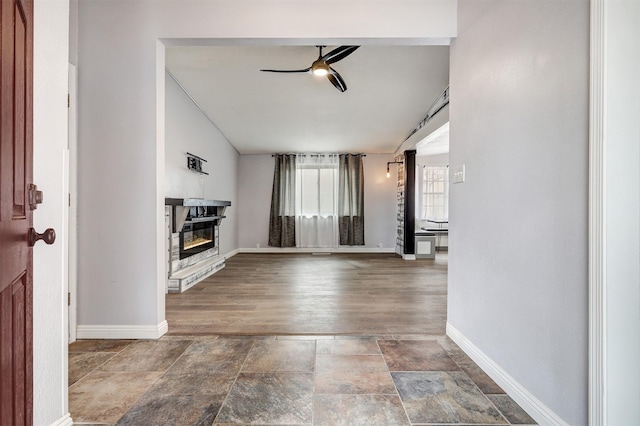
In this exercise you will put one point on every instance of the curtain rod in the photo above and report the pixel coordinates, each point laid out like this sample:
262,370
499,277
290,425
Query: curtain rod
318,155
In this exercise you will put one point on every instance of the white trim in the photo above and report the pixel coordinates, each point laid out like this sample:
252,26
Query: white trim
122,331
232,253
161,267
72,207
597,217
65,420
529,403
315,250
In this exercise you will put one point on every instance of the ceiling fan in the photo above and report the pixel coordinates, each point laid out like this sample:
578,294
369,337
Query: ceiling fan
322,65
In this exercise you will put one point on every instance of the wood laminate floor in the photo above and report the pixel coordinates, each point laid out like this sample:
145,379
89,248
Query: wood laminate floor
338,294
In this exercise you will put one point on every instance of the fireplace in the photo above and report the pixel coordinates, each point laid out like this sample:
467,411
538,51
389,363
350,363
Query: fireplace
196,237
192,247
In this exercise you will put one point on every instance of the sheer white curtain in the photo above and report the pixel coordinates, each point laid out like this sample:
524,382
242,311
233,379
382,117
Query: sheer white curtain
317,200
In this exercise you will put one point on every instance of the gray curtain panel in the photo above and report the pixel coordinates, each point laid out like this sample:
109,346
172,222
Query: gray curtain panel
282,220
351,200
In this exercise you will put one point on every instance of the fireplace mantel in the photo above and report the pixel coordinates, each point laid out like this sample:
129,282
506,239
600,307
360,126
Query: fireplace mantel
198,209
195,202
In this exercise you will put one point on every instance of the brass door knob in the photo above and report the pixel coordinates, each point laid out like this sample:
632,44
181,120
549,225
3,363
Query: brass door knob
48,236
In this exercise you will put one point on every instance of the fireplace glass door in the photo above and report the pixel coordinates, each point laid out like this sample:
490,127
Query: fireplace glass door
196,237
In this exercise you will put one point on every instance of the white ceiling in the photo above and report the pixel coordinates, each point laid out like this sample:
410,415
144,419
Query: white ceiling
390,89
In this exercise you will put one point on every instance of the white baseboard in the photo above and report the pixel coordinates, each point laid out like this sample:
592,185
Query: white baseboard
529,403
232,253
65,420
122,331
315,250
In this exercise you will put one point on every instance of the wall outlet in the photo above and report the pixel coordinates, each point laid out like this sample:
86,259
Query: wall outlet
379,245
257,245
458,174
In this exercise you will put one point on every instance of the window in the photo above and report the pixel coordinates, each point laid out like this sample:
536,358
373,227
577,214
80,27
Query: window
316,200
435,192
317,184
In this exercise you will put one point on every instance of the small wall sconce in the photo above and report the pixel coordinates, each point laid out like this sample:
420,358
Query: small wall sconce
391,162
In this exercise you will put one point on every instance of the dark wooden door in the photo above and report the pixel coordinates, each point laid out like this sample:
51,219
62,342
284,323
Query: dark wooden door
16,259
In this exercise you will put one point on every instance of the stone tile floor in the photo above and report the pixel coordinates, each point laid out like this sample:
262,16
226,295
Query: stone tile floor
284,380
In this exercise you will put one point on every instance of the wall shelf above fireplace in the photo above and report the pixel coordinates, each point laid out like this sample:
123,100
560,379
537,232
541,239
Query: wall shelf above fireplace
195,210
195,202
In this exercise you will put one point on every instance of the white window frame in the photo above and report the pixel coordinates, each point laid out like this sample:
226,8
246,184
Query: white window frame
321,189
425,193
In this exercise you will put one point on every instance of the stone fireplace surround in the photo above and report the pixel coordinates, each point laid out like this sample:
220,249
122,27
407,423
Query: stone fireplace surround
183,274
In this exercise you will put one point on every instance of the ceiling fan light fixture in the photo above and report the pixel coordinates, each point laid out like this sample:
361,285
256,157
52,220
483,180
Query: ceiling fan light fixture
320,69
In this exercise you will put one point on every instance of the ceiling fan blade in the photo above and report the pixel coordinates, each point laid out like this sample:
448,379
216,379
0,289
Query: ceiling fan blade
289,71
337,80
339,54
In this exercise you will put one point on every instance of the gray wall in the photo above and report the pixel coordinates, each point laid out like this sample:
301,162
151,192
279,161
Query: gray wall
121,123
255,186
519,122
255,181
73,32
187,130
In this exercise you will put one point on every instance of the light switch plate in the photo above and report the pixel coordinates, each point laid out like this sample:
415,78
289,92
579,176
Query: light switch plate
458,174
